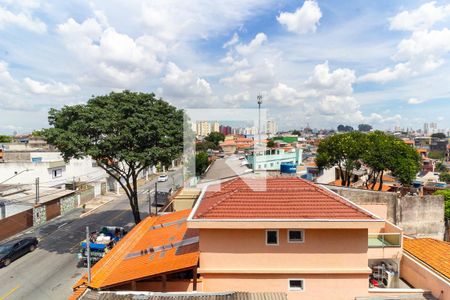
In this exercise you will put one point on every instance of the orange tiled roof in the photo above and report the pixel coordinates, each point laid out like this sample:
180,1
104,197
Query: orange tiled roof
275,198
138,254
434,253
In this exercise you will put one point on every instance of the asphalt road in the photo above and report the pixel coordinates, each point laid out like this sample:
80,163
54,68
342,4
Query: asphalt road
50,271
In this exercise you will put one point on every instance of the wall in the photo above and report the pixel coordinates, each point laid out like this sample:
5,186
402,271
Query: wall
16,223
345,250
39,215
68,203
419,276
316,287
86,195
417,216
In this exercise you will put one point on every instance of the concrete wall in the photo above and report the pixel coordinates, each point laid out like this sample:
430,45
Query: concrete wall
417,216
422,277
68,203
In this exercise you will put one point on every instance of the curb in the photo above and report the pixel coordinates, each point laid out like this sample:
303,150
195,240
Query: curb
95,208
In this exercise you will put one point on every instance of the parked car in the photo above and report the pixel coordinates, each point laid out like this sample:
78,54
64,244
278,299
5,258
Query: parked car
163,178
13,250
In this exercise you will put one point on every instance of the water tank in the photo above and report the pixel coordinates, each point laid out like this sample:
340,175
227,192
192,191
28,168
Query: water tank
288,168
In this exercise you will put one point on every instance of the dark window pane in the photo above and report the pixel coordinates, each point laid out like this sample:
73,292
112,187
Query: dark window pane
272,237
296,235
296,284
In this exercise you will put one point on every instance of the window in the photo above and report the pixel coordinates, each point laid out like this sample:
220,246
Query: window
57,173
271,237
296,236
296,285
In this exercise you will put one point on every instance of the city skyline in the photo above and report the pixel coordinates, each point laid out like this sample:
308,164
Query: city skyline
318,62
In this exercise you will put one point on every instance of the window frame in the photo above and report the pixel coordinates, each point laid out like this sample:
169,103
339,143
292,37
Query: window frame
296,242
296,289
55,173
278,237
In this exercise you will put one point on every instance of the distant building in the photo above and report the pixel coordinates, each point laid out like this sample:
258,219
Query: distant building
215,127
225,130
203,128
271,127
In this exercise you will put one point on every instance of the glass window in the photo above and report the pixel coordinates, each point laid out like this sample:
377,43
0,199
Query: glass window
57,173
296,285
272,237
295,236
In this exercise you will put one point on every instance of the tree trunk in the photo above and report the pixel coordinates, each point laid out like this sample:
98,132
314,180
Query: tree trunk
380,188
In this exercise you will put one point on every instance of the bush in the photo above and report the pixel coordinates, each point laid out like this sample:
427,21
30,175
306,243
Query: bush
446,194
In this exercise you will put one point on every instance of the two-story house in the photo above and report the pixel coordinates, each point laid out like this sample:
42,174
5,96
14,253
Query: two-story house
285,235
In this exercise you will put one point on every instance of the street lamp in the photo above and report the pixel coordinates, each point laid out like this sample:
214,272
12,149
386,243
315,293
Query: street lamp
259,98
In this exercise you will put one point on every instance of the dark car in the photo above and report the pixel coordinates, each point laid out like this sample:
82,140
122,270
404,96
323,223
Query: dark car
12,250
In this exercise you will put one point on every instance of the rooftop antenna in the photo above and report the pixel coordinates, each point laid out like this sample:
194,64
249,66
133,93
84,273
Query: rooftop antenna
259,98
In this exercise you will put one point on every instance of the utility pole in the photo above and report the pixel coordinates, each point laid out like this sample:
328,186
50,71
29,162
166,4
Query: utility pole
88,253
37,190
259,97
156,198
149,198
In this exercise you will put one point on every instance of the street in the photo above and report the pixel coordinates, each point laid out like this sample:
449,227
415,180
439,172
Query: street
50,271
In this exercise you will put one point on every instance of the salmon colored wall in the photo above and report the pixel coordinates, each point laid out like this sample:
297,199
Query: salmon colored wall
418,276
227,249
387,253
157,286
379,210
317,287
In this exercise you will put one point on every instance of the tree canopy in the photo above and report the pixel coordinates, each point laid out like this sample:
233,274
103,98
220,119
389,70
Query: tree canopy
364,127
270,144
125,133
446,194
344,128
5,139
439,135
215,137
378,151
296,132
201,163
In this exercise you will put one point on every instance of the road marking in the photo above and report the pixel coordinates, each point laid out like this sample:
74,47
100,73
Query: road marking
62,225
10,292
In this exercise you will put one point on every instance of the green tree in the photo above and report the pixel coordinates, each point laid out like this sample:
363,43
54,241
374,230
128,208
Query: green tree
270,144
37,133
435,154
364,127
441,167
377,156
296,132
446,194
125,133
205,146
215,137
201,163
404,163
445,177
344,151
5,139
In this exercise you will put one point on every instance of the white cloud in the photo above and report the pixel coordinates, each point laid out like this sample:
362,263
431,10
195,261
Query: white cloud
401,70
54,88
415,101
337,82
285,95
261,73
189,20
184,84
112,57
21,19
245,49
232,41
303,20
423,17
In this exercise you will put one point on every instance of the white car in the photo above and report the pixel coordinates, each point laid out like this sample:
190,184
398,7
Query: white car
163,178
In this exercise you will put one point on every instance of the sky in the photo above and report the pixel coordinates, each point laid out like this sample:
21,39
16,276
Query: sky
321,63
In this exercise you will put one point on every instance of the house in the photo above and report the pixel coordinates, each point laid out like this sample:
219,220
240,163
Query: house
270,159
289,235
426,264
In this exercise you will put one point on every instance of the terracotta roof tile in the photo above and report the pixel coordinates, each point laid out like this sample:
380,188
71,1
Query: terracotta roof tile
132,258
434,253
275,198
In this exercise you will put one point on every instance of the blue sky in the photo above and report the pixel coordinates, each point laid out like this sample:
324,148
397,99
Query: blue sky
319,62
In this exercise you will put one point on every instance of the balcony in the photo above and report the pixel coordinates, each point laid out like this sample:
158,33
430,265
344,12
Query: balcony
385,240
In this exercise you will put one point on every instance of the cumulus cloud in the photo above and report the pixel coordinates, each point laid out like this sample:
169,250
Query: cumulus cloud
337,82
421,18
110,56
21,19
245,49
52,88
399,71
232,41
184,84
261,73
303,20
